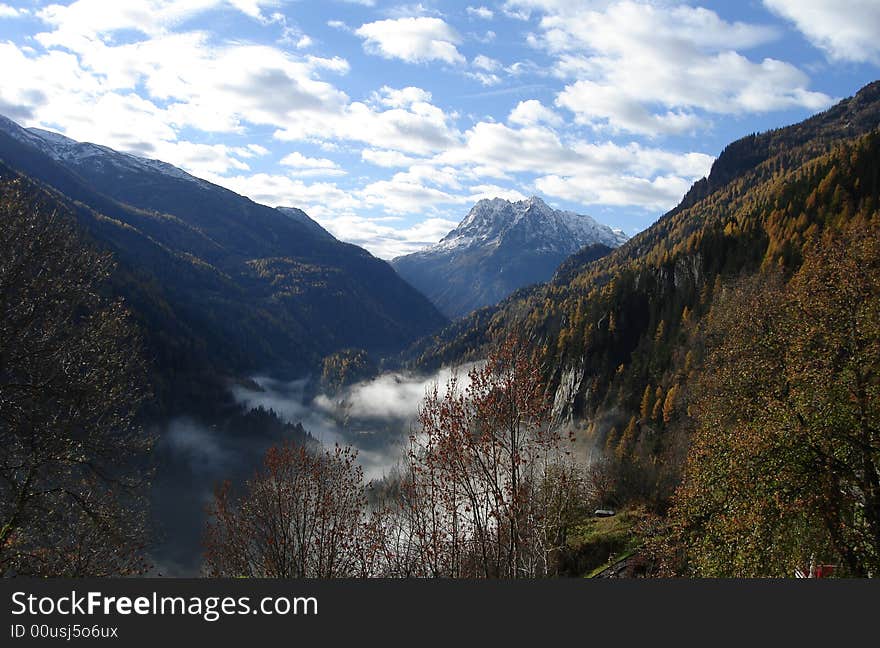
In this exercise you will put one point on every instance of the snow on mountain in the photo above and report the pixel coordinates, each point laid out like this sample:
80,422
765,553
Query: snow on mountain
500,246
78,154
537,224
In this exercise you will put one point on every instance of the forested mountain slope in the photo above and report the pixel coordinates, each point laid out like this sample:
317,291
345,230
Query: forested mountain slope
220,285
615,334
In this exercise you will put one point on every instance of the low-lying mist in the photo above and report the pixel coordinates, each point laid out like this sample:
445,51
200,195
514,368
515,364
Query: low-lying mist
375,417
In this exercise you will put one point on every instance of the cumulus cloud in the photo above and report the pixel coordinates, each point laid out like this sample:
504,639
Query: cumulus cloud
88,18
401,97
386,158
404,194
299,161
317,198
652,69
410,125
486,69
385,237
617,190
484,78
561,165
845,33
91,88
486,63
532,112
414,40
480,12
11,12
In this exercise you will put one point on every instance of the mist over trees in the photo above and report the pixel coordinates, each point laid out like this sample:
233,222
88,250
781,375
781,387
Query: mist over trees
489,488
72,458
486,490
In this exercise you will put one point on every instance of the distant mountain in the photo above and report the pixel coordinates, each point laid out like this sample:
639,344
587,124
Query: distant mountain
500,246
222,285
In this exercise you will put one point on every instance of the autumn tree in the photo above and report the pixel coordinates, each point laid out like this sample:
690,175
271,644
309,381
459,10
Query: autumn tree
492,488
785,465
303,515
72,468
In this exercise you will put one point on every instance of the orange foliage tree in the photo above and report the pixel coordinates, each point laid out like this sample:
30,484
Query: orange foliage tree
302,516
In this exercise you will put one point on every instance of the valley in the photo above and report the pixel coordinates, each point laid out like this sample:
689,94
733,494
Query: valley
608,370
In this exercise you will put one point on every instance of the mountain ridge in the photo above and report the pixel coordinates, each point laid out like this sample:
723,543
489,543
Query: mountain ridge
222,286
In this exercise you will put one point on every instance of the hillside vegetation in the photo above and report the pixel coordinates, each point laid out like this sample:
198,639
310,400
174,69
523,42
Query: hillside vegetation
628,341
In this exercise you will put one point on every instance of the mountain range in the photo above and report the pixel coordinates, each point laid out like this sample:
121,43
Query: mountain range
500,246
221,286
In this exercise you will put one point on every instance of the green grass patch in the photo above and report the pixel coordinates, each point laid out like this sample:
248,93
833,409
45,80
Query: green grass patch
593,544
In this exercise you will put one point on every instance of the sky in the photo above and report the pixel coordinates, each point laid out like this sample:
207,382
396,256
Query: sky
386,121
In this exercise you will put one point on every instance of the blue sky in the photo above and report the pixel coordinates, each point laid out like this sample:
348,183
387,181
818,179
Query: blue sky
387,121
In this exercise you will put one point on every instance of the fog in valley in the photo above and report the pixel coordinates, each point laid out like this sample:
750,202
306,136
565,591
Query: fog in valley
376,417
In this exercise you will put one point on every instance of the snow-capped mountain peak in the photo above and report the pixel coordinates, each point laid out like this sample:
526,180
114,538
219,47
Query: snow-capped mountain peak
498,247
533,221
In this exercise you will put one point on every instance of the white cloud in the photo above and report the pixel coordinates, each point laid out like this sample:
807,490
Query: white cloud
486,63
846,31
385,158
581,168
319,199
401,98
480,12
388,241
209,88
11,12
596,104
88,18
532,112
300,161
489,191
311,167
404,195
657,194
652,69
217,89
484,79
257,149
420,128
414,40
171,81
202,159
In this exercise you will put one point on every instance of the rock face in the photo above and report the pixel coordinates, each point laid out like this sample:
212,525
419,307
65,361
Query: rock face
500,246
